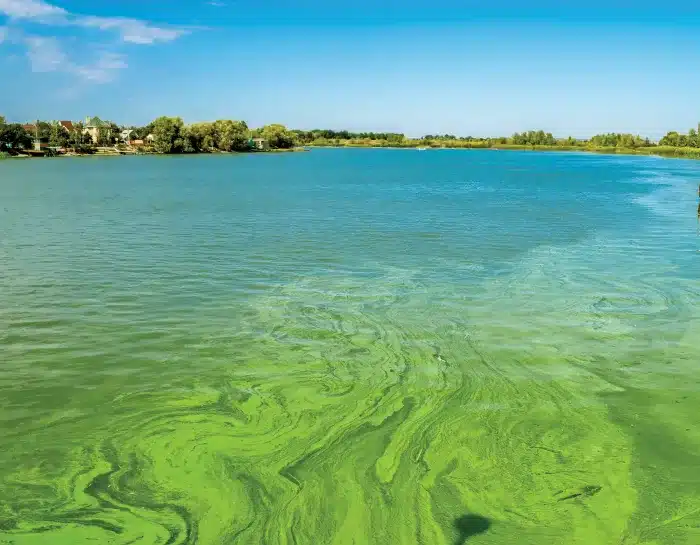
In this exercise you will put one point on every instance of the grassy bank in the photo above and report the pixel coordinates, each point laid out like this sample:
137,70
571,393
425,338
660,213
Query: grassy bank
663,151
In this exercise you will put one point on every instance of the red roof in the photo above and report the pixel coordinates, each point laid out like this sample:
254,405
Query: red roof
68,125
29,127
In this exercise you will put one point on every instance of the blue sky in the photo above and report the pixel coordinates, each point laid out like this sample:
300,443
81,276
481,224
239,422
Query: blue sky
468,68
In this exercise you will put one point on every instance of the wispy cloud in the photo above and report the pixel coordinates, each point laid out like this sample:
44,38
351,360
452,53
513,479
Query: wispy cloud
104,69
46,54
131,30
216,3
31,9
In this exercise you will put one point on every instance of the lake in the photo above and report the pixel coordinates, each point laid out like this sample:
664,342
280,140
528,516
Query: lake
350,347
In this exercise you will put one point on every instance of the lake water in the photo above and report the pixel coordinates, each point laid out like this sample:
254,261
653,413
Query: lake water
350,347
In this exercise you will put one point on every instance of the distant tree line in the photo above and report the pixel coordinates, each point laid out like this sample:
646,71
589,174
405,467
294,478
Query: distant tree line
315,135
170,135
617,140
538,138
163,135
679,140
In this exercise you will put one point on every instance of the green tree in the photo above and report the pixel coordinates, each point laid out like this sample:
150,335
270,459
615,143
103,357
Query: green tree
677,140
58,137
44,130
671,139
140,133
232,135
107,134
205,135
166,133
188,141
76,138
278,136
13,137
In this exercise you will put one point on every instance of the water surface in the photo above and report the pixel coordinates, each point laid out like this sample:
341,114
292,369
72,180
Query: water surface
350,347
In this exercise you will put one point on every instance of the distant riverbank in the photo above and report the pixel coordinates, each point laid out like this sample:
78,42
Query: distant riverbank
662,151
171,136
111,152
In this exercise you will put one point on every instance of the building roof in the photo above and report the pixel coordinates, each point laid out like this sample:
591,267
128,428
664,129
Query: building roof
29,127
91,122
68,125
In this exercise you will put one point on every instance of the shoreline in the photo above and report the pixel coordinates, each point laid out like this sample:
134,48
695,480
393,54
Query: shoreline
656,151
117,153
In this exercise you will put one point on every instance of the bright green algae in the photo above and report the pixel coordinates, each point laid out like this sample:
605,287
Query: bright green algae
330,359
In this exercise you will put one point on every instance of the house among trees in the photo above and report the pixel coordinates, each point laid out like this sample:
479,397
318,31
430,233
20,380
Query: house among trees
260,144
34,130
67,126
92,128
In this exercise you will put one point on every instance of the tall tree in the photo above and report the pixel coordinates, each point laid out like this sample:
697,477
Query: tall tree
671,139
13,137
232,135
205,136
278,136
43,130
188,141
57,136
106,135
76,138
166,133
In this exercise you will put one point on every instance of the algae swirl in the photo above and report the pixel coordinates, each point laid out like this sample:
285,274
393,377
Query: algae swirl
167,383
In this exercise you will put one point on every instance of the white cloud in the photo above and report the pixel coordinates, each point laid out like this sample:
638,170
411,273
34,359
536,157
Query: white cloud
103,70
31,9
131,30
46,55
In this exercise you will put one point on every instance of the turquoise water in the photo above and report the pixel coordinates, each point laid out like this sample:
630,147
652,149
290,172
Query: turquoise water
349,347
